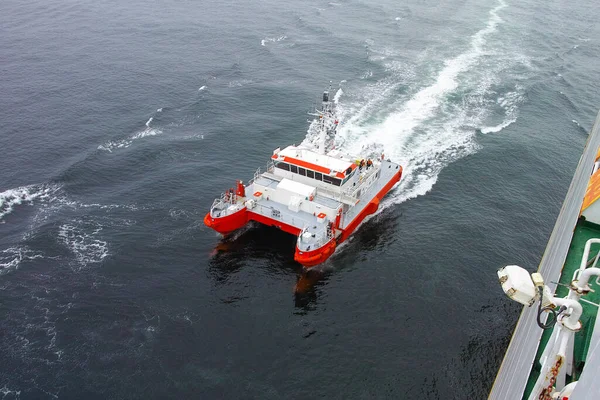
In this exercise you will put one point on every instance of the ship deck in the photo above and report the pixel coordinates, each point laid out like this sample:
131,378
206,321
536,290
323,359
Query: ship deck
583,232
513,375
300,219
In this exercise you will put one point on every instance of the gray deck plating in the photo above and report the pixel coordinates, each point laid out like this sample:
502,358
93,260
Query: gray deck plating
518,360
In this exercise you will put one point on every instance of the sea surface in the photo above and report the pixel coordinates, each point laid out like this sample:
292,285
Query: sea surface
121,121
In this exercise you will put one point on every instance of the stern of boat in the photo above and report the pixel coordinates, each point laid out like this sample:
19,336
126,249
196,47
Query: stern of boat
227,214
315,245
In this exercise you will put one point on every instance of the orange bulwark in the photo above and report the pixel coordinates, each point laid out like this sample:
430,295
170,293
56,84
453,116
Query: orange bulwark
317,256
228,223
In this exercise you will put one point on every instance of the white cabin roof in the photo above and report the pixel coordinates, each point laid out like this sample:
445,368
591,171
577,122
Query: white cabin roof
296,187
340,162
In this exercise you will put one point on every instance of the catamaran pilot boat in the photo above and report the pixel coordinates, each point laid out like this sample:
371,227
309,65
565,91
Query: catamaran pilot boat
313,191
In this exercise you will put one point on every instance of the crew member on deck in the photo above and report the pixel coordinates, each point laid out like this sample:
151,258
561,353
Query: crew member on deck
369,163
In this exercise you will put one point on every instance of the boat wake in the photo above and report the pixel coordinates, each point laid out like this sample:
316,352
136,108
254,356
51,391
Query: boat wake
124,143
427,128
11,198
81,238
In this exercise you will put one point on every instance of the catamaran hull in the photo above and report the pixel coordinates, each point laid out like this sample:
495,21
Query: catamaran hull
308,259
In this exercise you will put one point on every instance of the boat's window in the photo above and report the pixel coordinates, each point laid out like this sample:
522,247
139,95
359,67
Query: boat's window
310,174
318,176
331,181
294,169
282,165
302,171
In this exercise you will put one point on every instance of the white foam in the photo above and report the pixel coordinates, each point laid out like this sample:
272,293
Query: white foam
124,143
510,103
24,194
5,391
202,88
11,258
272,40
498,128
80,237
239,83
338,94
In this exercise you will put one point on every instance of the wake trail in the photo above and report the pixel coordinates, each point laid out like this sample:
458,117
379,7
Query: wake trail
429,131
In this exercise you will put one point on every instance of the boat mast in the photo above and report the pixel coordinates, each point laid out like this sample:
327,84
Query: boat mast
325,107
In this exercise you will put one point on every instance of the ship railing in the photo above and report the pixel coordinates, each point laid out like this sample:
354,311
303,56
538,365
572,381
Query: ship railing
258,172
225,200
255,177
318,240
368,173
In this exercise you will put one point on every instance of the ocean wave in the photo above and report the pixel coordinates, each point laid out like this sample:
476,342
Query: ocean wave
81,238
10,393
509,102
124,143
11,198
498,128
11,258
239,83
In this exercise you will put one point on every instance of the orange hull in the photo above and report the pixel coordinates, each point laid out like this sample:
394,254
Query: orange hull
229,223
317,256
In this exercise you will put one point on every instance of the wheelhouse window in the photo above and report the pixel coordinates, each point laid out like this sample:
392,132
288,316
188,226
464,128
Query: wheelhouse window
310,174
331,180
302,171
318,176
294,169
282,165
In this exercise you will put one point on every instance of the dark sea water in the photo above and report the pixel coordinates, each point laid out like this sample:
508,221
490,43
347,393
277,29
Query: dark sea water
121,121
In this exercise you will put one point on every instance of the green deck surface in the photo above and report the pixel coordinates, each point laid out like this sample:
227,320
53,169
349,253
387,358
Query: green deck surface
583,232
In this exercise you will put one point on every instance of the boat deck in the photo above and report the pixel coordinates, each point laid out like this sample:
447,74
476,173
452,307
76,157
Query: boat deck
300,219
388,170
